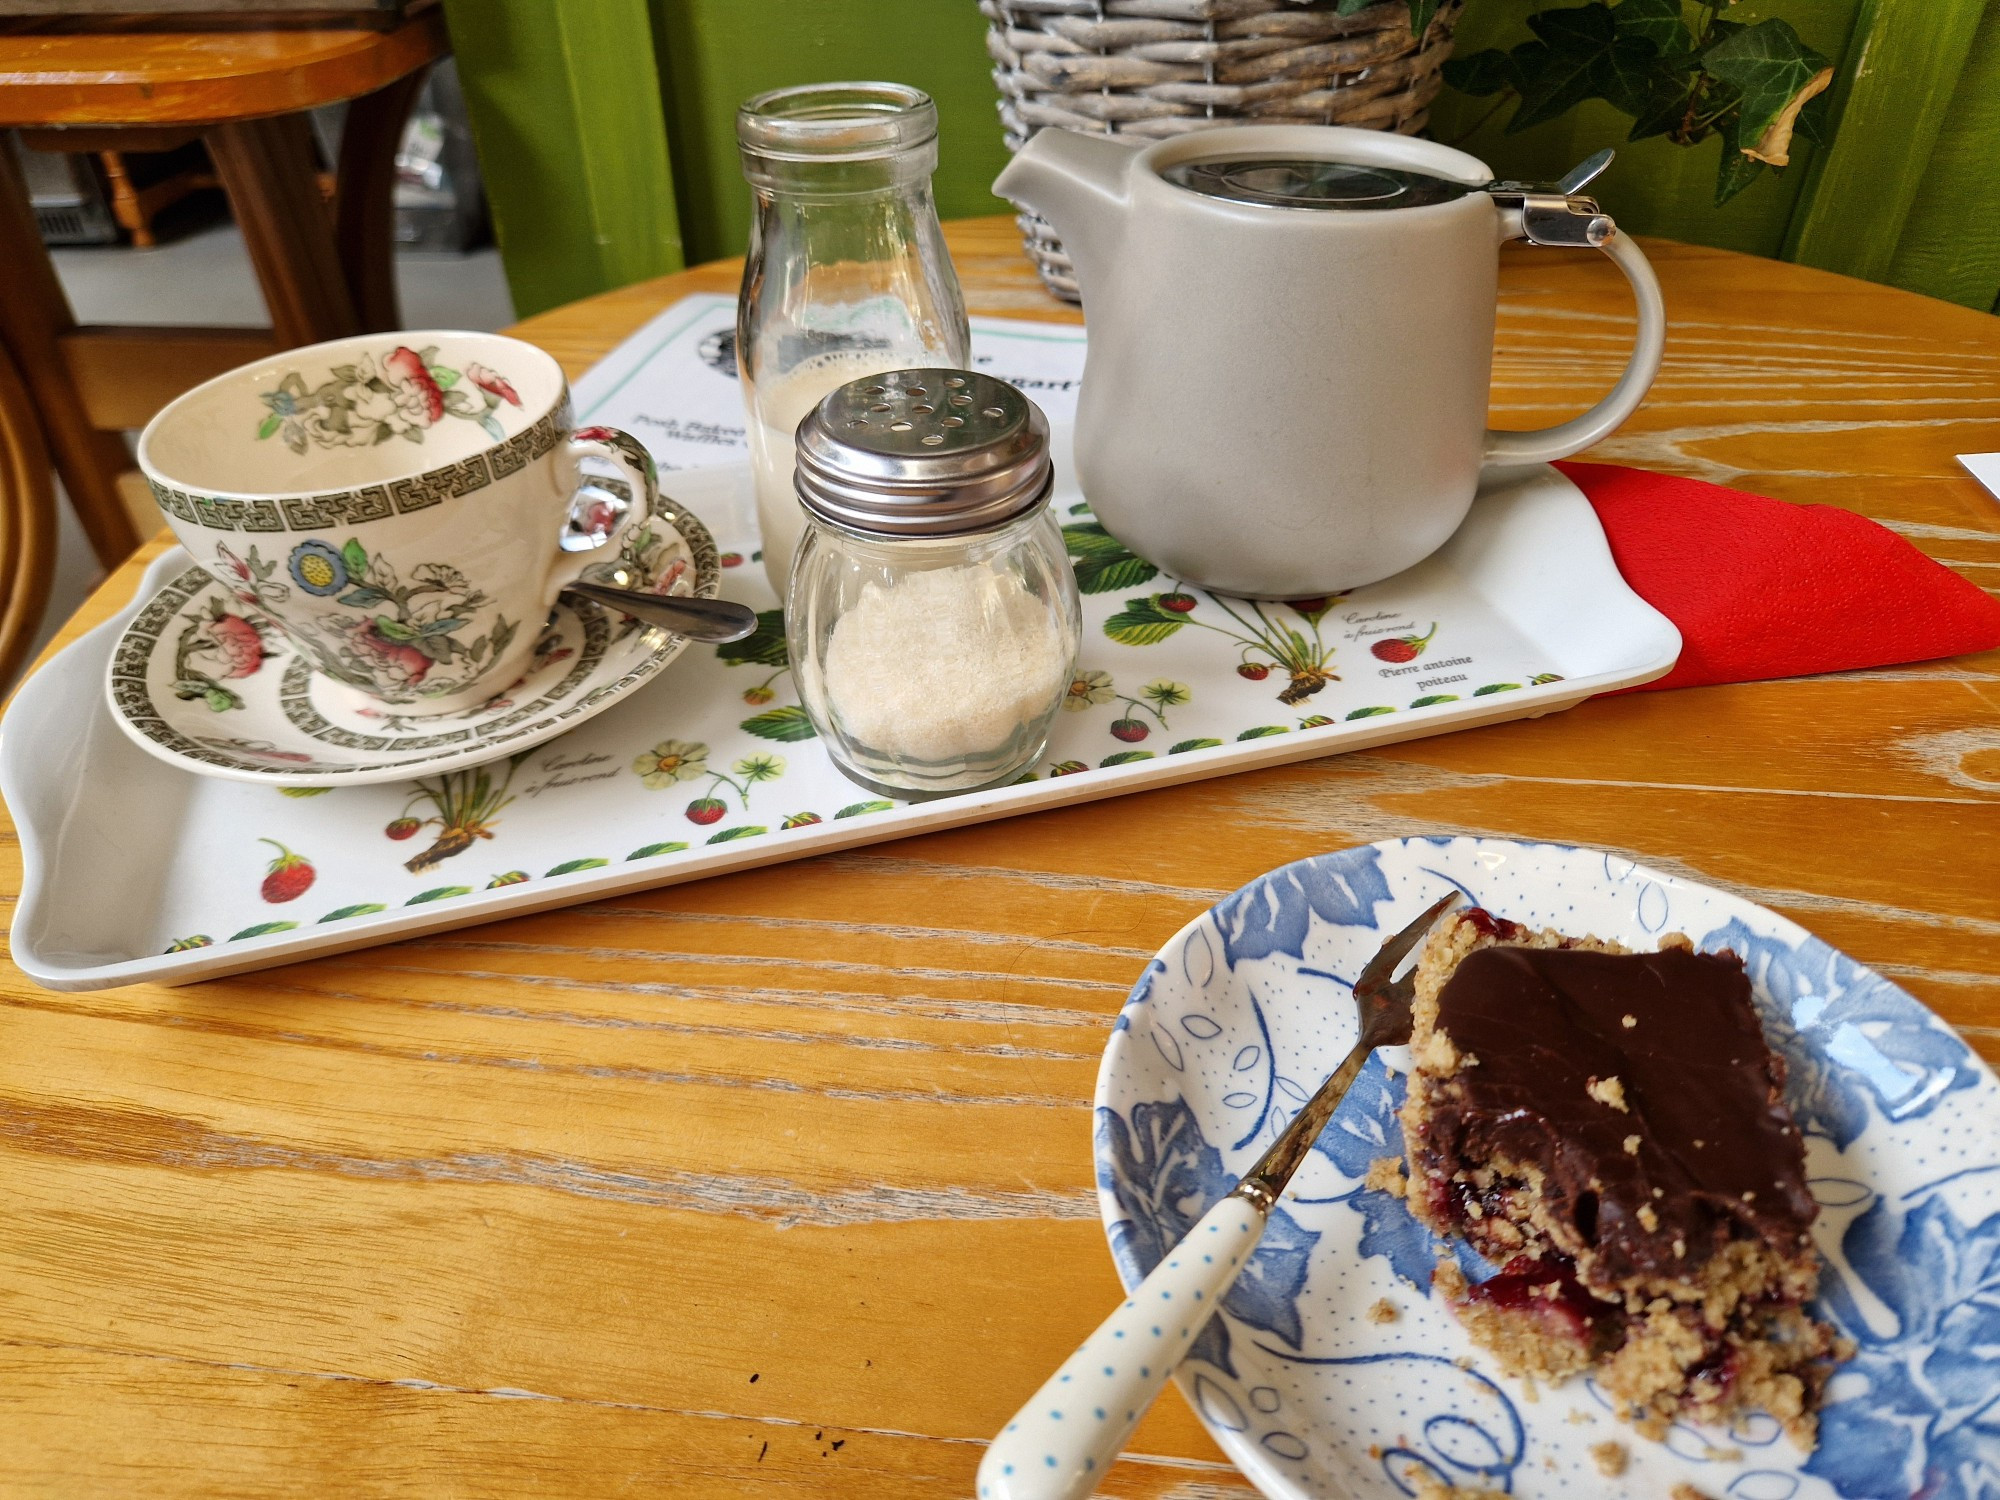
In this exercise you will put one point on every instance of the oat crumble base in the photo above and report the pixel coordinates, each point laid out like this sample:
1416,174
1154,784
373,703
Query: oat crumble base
1704,1343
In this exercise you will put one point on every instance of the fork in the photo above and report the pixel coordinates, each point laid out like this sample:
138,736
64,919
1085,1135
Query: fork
1071,1429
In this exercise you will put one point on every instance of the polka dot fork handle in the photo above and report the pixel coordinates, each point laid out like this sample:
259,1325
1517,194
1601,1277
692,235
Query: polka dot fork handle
1061,1442
1071,1429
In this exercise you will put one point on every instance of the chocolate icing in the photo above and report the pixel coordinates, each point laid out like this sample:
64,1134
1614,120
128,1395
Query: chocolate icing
1701,1087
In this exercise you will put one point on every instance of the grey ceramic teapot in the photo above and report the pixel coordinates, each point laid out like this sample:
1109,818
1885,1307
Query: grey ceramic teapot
1291,341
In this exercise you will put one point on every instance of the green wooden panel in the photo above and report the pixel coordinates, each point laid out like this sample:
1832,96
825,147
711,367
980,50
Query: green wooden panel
565,105
1890,100
1654,187
719,52
1950,246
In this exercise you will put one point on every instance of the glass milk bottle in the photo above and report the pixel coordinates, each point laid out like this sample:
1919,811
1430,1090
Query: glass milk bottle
847,273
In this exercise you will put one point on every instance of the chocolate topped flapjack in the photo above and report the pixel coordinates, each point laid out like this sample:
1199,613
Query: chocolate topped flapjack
1608,1131
1639,1087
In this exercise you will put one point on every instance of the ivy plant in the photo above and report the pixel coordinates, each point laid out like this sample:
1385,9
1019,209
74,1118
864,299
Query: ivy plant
1682,76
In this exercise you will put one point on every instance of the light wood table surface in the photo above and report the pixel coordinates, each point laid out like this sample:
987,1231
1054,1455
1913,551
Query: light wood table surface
781,1183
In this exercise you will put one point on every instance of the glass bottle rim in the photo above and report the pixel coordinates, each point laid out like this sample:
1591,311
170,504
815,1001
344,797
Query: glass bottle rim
864,121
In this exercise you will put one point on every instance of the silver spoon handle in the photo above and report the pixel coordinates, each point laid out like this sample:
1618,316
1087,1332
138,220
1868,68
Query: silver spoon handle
714,620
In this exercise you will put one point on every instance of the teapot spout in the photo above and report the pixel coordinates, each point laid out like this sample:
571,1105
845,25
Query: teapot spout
1077,183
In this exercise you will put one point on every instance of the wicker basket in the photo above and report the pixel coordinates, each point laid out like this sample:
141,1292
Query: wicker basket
1153,68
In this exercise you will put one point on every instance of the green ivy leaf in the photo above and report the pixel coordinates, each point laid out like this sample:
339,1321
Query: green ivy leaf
1371,711
1581,54
649,851
1435,698
262,929
1142,622
1481,73
571,866
1657,22
1125,757
438,893
856,809
1558,71
763,647
1812,124
1495,687
1263,732
730,835
1421,12
1665,109
1771,67
1735,171
341,914
790,724
1186,745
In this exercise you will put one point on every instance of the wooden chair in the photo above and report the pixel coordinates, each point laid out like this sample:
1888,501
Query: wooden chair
243,92
27,522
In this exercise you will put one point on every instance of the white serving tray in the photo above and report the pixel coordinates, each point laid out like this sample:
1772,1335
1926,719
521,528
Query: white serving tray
125,858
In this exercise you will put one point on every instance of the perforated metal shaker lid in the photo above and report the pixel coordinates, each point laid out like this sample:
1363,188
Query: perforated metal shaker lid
923,453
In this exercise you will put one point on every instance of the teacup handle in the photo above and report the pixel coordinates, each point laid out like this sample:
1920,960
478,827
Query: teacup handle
1548,443
598,514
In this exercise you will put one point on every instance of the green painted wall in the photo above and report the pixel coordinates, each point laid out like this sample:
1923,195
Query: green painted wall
719,52
547,83
1654,187
574,103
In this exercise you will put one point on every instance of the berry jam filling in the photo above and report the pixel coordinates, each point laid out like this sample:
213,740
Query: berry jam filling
1547,1286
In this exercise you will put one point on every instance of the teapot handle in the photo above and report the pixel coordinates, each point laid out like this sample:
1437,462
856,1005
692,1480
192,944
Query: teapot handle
1578,433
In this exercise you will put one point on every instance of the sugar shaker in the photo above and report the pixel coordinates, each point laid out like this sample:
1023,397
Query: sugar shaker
933,616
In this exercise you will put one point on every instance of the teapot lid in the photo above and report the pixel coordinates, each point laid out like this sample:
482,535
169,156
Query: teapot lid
1313,182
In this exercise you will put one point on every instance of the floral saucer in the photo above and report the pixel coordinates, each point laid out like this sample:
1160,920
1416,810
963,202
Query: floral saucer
1315,1388
204,682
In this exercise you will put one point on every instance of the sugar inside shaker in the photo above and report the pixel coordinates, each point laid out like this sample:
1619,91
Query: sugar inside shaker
932,617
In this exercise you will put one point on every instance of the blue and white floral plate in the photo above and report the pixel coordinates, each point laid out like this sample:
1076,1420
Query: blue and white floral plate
1247,1008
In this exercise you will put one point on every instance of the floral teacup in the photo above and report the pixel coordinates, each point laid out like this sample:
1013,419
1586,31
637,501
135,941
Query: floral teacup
404,507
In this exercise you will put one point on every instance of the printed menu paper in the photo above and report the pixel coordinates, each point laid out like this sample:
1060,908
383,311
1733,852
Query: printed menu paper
673,384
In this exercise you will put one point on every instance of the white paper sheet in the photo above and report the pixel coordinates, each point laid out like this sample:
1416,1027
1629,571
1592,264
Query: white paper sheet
1984,467
673,384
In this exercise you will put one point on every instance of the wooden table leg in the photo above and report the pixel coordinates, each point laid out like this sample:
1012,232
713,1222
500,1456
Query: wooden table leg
365,202
269,170
34,315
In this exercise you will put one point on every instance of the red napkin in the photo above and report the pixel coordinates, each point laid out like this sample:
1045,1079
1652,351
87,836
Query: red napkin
1761,588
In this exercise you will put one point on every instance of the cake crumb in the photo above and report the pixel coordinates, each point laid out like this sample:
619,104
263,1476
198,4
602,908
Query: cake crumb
1580,1418
1628,1022
1631,1145
1686,1491
1610,1458
1648,1218
1430,1487
1610,1091
1385,1175
1384,1311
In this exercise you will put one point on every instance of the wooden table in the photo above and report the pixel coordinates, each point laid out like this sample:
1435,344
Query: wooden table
781,1183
